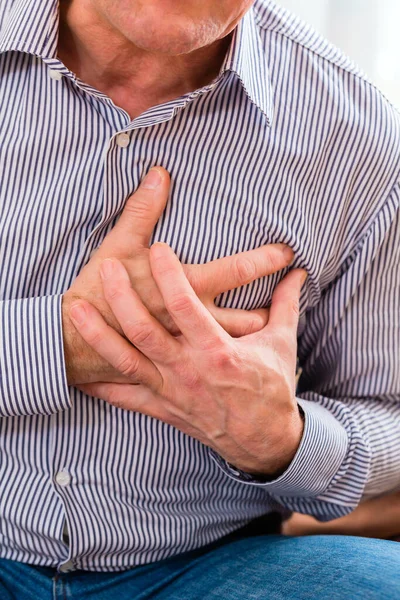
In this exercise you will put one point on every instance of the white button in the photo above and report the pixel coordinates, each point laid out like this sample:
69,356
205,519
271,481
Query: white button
66,567
56,75
123,140
63,478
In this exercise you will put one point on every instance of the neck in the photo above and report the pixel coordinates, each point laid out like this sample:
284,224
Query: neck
133,78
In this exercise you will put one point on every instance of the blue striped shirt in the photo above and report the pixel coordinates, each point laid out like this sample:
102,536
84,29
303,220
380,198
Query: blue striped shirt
290,143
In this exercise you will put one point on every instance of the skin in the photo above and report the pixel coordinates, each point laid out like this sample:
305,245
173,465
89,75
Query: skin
235,395
141,53
129,242
377,518
156,50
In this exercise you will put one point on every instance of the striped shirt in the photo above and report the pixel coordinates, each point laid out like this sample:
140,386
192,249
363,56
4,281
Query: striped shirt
290,143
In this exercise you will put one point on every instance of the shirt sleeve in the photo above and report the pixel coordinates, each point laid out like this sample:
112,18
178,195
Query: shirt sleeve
349,389
32,369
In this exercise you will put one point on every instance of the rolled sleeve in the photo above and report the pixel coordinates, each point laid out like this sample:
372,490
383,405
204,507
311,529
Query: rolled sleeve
32,368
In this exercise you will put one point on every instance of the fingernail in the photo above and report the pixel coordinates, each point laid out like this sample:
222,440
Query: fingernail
152,179
107,269
78,313
288,253
304,277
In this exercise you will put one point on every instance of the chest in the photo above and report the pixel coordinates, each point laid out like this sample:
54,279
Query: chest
69,167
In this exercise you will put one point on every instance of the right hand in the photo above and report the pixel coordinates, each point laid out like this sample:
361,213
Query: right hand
129,242
376,518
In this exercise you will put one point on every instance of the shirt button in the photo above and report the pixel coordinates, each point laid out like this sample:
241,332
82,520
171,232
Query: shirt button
56,75
123,140
63,478
67,567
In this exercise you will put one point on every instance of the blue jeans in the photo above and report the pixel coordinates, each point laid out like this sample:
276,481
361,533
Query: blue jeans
269,567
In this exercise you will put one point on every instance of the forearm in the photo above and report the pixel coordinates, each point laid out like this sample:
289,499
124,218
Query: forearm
342,455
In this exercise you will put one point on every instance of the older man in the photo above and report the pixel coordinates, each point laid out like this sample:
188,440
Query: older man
147,433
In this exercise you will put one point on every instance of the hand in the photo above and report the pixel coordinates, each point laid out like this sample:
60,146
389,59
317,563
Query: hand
376,518
129,242
236,396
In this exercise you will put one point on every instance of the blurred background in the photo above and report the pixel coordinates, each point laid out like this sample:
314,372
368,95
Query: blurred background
366,30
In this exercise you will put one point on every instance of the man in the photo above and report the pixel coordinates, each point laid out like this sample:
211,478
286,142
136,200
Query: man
137,435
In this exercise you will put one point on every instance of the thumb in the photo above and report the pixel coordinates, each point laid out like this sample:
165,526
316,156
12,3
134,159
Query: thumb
141,213
284,310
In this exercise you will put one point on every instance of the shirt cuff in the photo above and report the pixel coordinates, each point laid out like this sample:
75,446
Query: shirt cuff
33,378
319,457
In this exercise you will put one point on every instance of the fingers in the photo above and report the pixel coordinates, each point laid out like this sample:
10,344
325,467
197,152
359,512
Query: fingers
136,398
140,215
284,310
117,351
239,323
138,325
191,317
232,272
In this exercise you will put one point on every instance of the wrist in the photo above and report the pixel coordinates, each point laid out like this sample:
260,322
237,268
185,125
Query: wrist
82,364
71,344
286,449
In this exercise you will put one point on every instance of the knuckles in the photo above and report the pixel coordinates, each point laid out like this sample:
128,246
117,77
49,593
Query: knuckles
95,337
244,270
137,208
128,365
189,376
226,360
141,334
114,292
181,304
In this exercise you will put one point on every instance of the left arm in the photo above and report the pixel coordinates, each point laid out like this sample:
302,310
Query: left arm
350,384
247,412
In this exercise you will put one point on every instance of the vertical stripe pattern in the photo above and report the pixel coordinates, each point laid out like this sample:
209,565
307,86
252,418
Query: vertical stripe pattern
290,143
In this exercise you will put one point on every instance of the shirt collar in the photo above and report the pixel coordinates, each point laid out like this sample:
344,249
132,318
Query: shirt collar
32,27
247,59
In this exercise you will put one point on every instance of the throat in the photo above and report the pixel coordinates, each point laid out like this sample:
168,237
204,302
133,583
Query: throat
135,98
134,79
134,101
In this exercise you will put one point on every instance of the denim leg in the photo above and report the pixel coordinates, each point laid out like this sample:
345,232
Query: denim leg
270,567
23,582
281,568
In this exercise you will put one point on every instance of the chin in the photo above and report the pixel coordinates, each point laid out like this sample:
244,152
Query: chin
171,37
171,46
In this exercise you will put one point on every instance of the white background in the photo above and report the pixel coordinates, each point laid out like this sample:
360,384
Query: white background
366,30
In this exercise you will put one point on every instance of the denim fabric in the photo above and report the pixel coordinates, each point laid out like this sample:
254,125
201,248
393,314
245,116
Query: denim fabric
269,567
